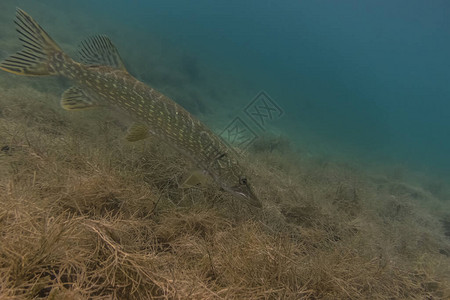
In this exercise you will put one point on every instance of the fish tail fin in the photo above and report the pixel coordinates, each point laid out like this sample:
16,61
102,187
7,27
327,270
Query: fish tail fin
38,49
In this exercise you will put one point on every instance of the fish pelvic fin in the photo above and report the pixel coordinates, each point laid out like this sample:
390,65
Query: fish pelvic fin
38,48
137,132
75,98
193,179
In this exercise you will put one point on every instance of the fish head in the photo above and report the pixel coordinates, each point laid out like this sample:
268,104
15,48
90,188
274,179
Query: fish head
231,178
243,189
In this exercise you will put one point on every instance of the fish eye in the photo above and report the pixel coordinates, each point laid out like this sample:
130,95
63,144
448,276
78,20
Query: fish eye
243,180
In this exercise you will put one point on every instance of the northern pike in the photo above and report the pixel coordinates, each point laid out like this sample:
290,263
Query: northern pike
102,80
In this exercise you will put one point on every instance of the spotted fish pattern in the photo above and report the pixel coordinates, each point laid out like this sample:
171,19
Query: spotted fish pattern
101,79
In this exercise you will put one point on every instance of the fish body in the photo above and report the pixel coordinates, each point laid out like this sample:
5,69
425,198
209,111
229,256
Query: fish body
102,80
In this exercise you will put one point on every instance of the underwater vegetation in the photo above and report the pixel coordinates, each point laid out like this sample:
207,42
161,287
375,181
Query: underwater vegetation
85,214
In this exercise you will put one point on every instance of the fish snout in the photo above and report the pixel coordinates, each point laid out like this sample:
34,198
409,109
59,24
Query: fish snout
245,191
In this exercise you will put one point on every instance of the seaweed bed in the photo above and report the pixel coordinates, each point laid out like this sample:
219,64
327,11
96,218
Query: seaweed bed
86,215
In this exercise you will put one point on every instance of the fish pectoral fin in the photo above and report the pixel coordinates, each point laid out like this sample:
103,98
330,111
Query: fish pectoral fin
100,51
195,178
137,132
75,99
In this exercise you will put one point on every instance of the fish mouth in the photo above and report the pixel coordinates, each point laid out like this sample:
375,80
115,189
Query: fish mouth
254,201
247,194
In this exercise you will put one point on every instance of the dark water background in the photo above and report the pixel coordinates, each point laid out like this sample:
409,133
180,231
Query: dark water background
362,79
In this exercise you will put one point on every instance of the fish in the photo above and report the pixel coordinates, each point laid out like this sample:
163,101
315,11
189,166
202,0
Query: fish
101,79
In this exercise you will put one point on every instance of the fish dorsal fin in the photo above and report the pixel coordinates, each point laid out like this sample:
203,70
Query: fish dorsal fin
137,132
100,51
75,99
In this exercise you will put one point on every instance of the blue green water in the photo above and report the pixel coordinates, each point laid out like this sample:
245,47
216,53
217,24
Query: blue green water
360,78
